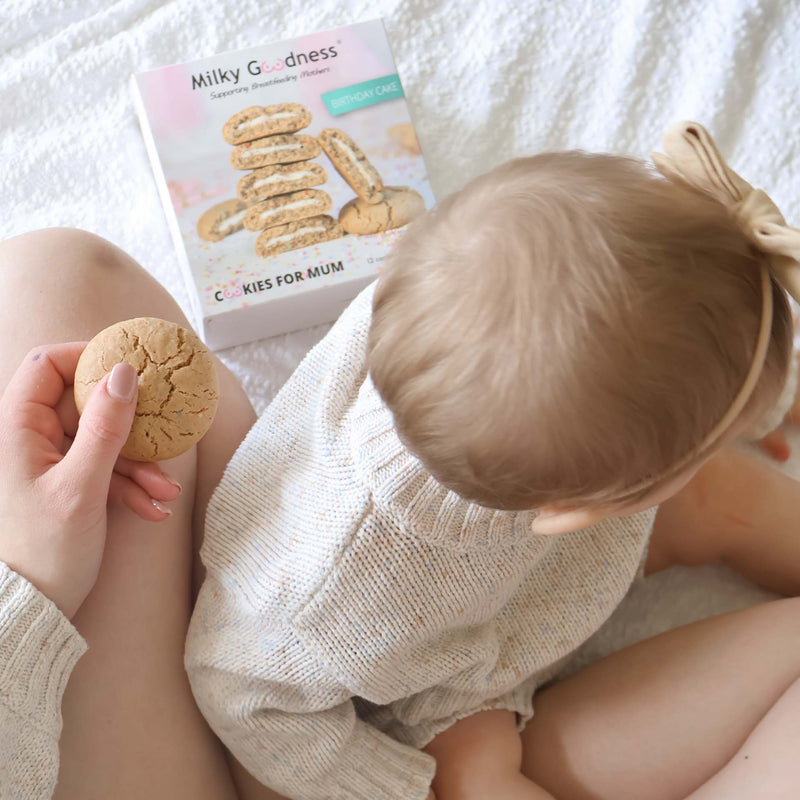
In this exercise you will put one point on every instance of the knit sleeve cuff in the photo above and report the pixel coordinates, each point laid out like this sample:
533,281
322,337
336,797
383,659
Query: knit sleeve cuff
376,767
39,648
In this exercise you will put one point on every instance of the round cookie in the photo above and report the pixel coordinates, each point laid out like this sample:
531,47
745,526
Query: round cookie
178,388
405,135
399,206
294,235
351,163
259,121
287,208
221,220
279,179
283,148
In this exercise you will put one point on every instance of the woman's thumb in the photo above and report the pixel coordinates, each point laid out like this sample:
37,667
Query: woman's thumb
103,428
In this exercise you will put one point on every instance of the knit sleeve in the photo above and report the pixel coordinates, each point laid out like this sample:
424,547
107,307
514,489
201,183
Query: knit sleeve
284,717
38,650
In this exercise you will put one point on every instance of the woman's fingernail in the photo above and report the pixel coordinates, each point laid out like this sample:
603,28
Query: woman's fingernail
172,480
121,383
161,507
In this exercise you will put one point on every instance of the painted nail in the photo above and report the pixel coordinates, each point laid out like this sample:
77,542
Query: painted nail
161,507
122,381
170,479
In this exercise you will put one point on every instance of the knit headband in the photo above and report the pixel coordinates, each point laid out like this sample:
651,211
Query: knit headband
692,159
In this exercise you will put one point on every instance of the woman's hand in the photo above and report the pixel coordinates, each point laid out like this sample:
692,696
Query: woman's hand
56,475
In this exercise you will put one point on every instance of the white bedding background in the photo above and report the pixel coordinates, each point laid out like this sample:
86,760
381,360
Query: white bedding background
486,80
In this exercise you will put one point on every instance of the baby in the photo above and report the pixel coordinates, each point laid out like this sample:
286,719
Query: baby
457,486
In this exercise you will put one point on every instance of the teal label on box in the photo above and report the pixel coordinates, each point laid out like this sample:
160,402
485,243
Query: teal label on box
340,101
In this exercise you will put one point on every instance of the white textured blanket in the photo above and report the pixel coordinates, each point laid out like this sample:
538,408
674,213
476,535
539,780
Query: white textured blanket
485,81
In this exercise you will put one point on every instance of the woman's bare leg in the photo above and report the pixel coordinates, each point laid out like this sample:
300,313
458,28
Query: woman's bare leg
131,727
660,719
766,764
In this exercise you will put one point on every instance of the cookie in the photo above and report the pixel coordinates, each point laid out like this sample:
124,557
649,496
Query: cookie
405,135
352,164
285,148
177,383
258,121
399,206
280,179
221,220
287,208
295,235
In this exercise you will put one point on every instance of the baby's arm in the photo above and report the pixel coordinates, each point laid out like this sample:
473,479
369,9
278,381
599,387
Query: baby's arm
479,757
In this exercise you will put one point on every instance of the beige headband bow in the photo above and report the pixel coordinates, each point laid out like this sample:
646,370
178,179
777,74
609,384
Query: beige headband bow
692,158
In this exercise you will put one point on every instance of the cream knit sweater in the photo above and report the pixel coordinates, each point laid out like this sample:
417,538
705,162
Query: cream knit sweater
38,649
354,608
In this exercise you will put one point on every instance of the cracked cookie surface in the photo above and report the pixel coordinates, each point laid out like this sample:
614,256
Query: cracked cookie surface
178,390
399,206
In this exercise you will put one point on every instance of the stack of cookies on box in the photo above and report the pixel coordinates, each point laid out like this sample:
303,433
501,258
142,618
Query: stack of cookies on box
276,191
276,196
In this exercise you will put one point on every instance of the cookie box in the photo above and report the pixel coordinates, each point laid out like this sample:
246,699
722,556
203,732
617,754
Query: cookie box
286,170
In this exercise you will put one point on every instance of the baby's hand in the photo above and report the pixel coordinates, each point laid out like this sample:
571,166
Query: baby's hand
775,443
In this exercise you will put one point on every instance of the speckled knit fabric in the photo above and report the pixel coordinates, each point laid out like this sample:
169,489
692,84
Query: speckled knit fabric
38,649
511,79
354,608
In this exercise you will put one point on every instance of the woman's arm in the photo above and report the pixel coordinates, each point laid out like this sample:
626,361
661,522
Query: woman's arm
38,650
52,533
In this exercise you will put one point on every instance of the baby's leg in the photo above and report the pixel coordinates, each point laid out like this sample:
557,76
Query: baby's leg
131,727
480,757
660,719
738,510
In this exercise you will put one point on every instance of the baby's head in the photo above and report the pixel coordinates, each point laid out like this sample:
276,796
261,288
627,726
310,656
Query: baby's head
569,326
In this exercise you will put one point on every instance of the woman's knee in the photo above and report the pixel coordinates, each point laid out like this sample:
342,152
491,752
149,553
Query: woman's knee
63,284
57,254
67,264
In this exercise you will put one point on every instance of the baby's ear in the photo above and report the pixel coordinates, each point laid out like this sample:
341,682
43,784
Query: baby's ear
552,521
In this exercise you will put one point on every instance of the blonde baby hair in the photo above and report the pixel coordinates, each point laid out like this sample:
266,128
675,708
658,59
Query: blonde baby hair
568,326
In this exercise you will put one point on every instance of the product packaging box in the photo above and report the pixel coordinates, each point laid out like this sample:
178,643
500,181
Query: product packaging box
286,171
